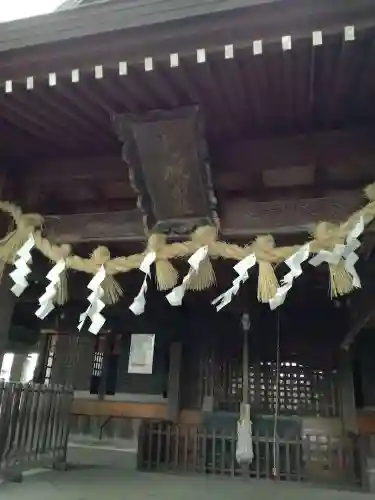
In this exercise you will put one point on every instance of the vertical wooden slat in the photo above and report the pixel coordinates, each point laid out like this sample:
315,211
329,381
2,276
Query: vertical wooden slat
330,452
158,444
67,400
257,455
195,449
25,411
168,446
13,423
54,415
213,451
176,446
233,453
59,425
41,419
175,357
201,380
150,436
30,423
223,442
306,458
48,394
268,443
204,449
288,448
186,444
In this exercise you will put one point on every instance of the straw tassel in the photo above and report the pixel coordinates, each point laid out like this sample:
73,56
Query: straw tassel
267,281
112,289
340,281
166,274
62,294
205,278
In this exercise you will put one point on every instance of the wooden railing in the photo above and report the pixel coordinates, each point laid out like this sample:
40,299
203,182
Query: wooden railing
34,427
185,448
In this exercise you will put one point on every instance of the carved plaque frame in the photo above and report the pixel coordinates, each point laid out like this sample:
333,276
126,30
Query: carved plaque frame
169,169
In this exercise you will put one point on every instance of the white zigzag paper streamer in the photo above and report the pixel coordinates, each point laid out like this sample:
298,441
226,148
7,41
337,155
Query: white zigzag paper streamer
346,252
294,263
22,269
177,294
96,304
138,305
241,269
351,258
46,304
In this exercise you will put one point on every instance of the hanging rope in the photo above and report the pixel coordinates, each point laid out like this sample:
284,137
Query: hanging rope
267,254
245,366
277,394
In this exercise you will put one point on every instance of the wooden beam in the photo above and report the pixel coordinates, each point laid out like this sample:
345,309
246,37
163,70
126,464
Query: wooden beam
341,151
118,409
343,155
79,228
262,169
240,218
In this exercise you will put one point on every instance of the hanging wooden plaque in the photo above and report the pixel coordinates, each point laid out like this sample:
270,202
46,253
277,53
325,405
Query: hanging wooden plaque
168,162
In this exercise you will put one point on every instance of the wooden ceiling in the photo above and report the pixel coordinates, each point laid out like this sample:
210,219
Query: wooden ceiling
279,92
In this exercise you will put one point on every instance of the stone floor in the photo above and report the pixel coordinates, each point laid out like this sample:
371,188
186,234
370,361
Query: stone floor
102,483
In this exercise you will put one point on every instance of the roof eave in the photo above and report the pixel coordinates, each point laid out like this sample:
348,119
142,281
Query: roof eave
106,18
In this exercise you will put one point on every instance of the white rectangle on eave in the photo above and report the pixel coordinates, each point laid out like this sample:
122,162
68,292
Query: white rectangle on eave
288,176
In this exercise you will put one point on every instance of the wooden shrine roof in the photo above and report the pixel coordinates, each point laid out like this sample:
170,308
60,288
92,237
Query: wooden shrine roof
313,87
309,98
110,16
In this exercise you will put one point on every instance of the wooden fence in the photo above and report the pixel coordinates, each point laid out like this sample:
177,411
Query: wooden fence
34,427
184,448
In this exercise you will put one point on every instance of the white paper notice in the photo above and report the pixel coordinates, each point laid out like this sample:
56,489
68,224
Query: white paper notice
141,355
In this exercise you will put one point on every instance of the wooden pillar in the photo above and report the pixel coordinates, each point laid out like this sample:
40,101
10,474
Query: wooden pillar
175,357
18,366
66,358
58,366
7,304
40,369
346,393
7,298
84,363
